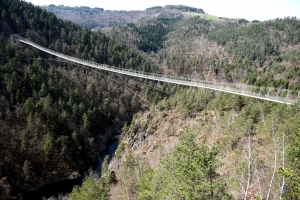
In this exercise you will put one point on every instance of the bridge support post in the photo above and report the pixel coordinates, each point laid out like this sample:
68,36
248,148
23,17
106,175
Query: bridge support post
277,94
237,89
287,96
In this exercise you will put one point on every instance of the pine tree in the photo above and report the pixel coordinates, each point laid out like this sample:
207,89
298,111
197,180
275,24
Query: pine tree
43,91
48,146
188,173
27,168
24,143
94,189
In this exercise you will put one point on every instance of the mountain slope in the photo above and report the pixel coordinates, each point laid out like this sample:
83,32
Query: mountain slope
250,135
57,117
100,18
250,139
262,54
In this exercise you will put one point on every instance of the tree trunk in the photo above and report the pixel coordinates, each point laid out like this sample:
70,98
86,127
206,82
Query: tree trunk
275,163
249,166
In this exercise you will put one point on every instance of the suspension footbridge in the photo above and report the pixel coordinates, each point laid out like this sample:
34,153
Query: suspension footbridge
278,95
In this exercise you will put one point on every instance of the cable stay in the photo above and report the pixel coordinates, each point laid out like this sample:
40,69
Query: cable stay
278,95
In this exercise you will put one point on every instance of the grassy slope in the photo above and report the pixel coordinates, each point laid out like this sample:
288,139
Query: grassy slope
205,16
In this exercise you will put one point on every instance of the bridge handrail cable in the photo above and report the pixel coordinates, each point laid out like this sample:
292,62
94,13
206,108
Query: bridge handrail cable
239,89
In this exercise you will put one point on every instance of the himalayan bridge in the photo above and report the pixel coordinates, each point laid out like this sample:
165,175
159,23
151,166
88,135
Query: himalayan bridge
278,95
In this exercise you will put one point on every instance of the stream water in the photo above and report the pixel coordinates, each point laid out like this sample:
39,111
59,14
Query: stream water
110,150
66,186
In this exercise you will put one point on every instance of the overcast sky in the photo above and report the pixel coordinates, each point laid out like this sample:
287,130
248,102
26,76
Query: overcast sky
248,9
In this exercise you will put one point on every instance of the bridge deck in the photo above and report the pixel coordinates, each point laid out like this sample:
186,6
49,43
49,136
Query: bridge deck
270,94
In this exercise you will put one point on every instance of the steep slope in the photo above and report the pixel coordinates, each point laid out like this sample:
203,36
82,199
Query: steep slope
183,41
255,53
65,114
250,140
251,137
96,18
100,18
56,117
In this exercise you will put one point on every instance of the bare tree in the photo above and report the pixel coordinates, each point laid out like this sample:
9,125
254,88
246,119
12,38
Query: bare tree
248,153
283,164
126,187
282,184
275,161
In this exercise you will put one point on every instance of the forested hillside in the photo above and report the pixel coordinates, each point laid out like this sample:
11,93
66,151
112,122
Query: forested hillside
176,142
262,54
97,18
198,144
55,117
256,53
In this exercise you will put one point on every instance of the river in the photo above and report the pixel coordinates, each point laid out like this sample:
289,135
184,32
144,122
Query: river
65,186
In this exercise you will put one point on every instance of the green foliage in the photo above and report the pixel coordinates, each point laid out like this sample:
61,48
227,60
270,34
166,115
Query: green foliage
104,168
154,8
92,88
145,186
295,148
185,8
94,189
82,12
120,150
292,173
134,100
64,140
43,101
43,92
10,82
152,32
62,109
188,100
85,121
243,21
27,168
24,143
227,102
205,16
28,105
30,119
90,189
293,180
188,173
48,146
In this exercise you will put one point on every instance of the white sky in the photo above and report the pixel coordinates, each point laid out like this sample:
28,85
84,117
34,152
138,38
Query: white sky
248,9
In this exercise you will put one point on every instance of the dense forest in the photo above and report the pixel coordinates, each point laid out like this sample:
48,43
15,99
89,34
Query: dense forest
201,145
184,8
251,152
55,117
176,142
97,18
261,54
